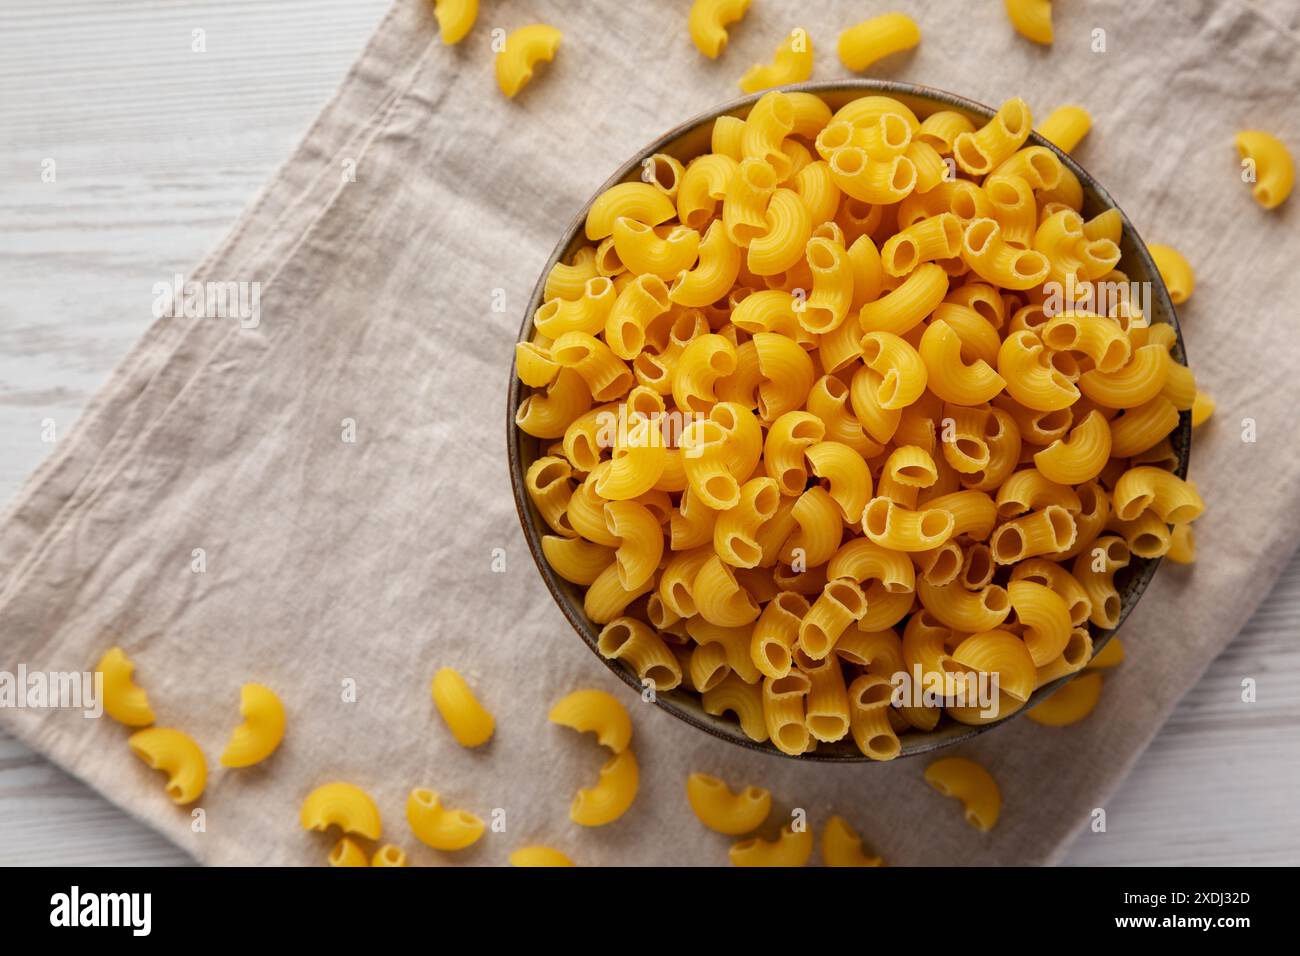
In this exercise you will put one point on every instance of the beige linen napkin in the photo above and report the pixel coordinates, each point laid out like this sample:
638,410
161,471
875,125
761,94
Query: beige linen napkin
160,363
333,564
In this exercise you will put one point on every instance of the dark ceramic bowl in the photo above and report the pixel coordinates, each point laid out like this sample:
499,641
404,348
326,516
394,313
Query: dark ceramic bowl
687,141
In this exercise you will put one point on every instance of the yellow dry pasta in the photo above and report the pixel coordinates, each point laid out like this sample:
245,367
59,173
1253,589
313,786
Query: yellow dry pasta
347,853
1095,568
123,700
1081,456
662,252
176,754
1065,126
455,18
734,694
865,43
539,856
902,529
970,783
790,848
597,712
1174,499
342,805
1175,270
713,274
1032,19
390,855
1202,408
842,847
612,795
262,730
1112,655
984,149
792,63
1002,653
1071,703
707,23
1270,162
470,722
638,200
723,811
441,827
638,644
523,50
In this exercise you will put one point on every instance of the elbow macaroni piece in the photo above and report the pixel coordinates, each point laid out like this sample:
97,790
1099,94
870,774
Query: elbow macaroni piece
343,805
1071,703
703,185
539,856
523,50
1045,617
1175,270
455,18
626,638
441,827
1273,166
471,724
791,848
708,21
1032,19
764,131
970,783
1182,545
788,226
899,529
1064,127
612,795
792,63
662,253
842,847
983,150
852,405
597,712
1175,500
744,700
576,559
713,275
639,201
1112,655
1000,652
864,44
347,853
641,541
177,755
1095,568
1137,383
994,259
390,855
1202,408
262,730
723,811
1080,457
123,700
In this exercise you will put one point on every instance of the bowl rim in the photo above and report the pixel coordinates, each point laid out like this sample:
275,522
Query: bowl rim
532,529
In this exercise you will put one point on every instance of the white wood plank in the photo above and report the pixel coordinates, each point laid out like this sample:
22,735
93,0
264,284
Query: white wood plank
157,150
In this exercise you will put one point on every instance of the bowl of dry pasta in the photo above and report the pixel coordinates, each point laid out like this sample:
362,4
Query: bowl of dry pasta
850,420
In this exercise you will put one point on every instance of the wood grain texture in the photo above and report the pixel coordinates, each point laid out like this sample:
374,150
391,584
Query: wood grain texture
157,148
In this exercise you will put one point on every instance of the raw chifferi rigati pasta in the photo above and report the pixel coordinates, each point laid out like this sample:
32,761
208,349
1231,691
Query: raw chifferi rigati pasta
857,392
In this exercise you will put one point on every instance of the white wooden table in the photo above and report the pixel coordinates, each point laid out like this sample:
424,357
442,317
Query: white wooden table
157,148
